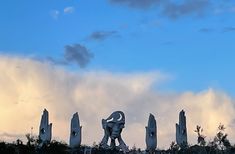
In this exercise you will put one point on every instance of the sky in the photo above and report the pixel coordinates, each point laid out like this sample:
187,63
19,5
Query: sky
157,56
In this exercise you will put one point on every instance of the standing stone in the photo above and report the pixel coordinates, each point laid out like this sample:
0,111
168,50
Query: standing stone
181,130
75,132
151,134
45,129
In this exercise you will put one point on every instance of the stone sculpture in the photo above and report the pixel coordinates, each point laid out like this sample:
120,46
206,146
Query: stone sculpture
113,126
75,132
151,134
181,130
45,129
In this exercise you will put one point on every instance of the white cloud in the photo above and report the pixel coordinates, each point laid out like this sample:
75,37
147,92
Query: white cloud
55,14
69,9
28,86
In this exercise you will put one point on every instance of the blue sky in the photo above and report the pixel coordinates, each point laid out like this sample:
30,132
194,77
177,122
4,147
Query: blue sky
192,41
150,56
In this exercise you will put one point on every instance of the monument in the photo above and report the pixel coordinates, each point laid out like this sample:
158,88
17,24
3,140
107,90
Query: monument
113,126
75,132
181,130
45,129
151,134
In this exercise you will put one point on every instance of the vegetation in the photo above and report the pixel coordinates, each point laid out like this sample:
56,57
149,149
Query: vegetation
200,138
219,145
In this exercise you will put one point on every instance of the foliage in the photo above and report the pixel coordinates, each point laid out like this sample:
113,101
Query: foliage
55,147
219,145
220,140
201,138
174,147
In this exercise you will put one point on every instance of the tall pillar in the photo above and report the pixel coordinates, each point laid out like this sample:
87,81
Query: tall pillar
181,130
75,132
151,134
45,129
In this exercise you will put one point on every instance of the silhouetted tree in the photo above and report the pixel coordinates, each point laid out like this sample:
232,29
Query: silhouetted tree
174,146
201,138
54,147
31,140
220,140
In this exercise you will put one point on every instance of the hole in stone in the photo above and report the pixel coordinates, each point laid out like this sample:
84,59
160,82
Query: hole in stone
74,133
43,131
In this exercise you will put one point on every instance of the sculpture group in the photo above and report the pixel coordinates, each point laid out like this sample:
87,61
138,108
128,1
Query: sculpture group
112,127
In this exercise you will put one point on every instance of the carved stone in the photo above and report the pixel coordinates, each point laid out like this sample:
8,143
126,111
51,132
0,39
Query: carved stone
181,130
113,126
45,129
75,132
151,134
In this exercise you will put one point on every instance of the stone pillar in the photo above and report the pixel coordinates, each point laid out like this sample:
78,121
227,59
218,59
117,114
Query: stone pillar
75,132
181,130
45,129
151,134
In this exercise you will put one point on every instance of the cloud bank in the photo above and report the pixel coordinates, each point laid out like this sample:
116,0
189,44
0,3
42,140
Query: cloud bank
29,86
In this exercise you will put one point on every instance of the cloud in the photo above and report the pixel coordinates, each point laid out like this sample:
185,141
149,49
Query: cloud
29,86
229,29
51,60
139,4
102,35
170,9
69,9
7,136
188,7
78,54
55,14
75,53
206,30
